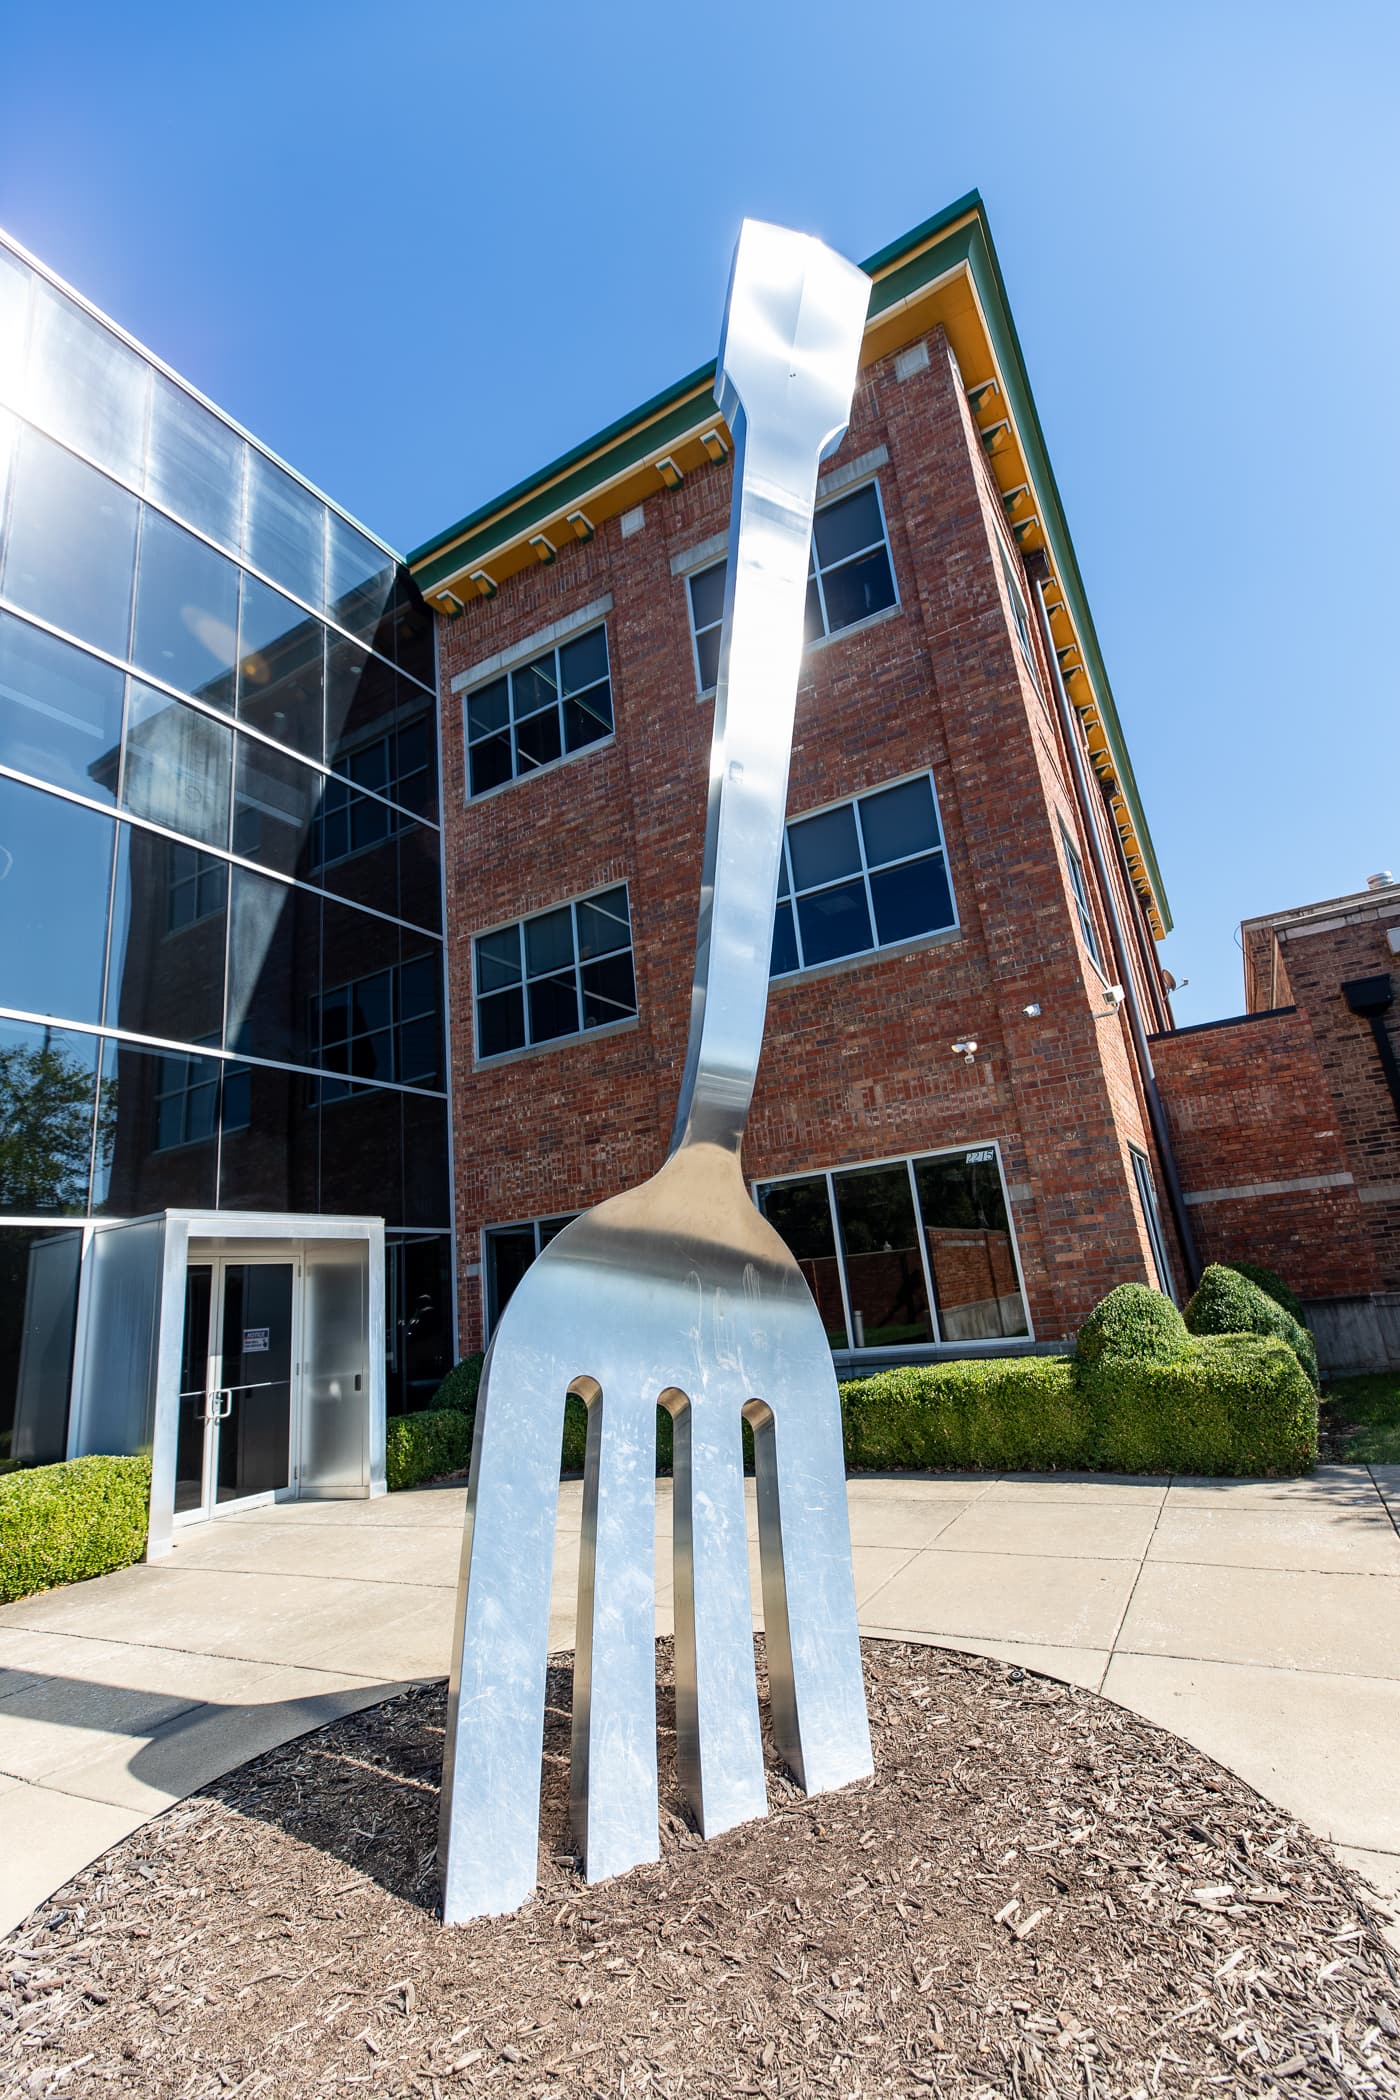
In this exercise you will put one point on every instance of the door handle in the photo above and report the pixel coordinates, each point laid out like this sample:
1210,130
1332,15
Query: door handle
224,1400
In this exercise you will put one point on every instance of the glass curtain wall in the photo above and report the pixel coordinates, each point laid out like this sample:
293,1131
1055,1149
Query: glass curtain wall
220,901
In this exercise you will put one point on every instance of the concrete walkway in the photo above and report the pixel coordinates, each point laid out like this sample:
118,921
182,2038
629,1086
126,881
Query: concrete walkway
1260,1620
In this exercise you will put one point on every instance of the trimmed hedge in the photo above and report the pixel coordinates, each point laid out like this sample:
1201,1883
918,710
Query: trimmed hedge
426,1445
68,1522
1225,1302
461,1385
1272,1286
1019,1412
1235,1403
1132,1324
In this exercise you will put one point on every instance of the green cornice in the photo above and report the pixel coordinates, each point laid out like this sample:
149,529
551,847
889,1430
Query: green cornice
901,269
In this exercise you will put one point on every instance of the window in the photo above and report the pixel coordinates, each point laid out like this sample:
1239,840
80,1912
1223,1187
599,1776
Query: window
866,874
510,1249
381,1027
1081,903
850,578
186,1099
906,1252
556,974
556,704
1147,1196
1018,608
176,766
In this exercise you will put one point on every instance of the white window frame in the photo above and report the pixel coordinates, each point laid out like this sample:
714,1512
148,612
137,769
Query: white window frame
878,947
1083,906
814,569
509,672
993,1344
571,904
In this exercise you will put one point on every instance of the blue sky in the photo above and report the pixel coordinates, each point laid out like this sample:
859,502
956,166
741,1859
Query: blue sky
422,251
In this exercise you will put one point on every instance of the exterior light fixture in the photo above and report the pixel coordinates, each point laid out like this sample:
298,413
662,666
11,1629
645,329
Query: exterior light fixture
1032,1012
966,1049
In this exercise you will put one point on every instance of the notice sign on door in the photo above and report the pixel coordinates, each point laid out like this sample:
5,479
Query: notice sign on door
256,1340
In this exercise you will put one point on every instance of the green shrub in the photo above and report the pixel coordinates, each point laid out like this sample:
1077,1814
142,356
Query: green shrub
1234,1403
1272,1286
426,1445
1021,1412
1132,1324
64,1523
459,1388
1225,1302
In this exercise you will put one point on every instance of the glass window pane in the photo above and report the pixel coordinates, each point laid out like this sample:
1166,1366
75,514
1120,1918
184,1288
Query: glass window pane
55,879
362,1152
800,1214
281,652
534,687
420,875
269,1157
177,765
360,582
488,708
812,628
275,803
843,528
834,923
824,848
498,959
194,463
273,967
912,900
553,1007
406,634
857,590
707,654
609,991
60,711
71,544
583,661
39,1270
156,1131
186,629
784,957
588,718
884,1271
15,280
285,529
490,764
508,1255
549,941
898,821
165,968
500,1023
603,924
426,1197
85,385
707,595
48,1080
969,1245
537,741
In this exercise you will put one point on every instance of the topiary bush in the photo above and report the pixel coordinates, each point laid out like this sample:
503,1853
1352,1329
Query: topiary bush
1225,1302
68,1522
1019,1412
1272,1286
1135,1325
461,1385
1234,1403
426,1445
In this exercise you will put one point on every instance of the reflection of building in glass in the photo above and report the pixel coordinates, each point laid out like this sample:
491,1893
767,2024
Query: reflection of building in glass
218,810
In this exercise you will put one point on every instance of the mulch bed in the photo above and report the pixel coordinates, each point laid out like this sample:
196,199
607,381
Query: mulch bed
1038,1895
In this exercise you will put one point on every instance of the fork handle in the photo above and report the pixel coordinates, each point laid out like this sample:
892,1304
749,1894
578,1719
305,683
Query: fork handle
793,326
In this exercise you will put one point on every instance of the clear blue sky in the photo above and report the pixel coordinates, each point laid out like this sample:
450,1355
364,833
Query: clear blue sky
420,251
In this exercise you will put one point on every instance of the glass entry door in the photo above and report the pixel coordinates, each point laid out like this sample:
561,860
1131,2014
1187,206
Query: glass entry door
237,1371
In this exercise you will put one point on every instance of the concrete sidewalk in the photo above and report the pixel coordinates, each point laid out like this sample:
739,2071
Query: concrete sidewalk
1260,1620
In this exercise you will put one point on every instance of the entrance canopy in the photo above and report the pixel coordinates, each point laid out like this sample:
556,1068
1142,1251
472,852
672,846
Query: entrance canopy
244,1350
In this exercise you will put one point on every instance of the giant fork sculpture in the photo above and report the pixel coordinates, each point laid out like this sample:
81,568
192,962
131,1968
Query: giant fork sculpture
678,1292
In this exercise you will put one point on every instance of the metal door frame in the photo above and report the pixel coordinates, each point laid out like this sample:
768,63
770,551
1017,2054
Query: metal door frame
209,1506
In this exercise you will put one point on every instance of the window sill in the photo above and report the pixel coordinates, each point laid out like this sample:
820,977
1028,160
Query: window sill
558,1042
841,965
555,765
825,641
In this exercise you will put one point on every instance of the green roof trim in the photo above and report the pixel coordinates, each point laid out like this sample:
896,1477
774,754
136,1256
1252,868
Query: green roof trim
673,414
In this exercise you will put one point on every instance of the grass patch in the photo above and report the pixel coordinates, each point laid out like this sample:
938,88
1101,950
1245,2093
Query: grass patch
1361,1419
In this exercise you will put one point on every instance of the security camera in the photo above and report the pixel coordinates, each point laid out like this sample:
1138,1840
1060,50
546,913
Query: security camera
966,1049
1032,1012
1114,995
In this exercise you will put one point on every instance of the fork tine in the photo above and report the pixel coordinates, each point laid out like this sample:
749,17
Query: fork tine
488,1838
718,1744
612,1786
816,1683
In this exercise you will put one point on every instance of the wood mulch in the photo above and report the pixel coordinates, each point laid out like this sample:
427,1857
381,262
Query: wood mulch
1039,1895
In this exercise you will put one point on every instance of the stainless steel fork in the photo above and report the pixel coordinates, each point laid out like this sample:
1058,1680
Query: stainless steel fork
679,1292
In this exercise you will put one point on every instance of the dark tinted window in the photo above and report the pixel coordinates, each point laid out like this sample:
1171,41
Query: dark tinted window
55,878
60,711
165,971
884,1268
273,967
269,1156
276,802
800,1213
38,1316
360,585
177,765
48,1079
281,669
157,1120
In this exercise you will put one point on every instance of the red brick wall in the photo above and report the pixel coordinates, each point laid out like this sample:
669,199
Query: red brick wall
857,1063
1248,1103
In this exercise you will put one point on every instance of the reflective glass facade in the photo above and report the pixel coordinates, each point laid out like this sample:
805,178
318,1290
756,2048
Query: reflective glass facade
220,890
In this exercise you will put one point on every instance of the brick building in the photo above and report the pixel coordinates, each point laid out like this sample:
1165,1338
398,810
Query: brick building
1286,1120
954,1119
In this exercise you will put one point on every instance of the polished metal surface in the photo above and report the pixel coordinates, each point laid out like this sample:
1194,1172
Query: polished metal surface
678,1292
